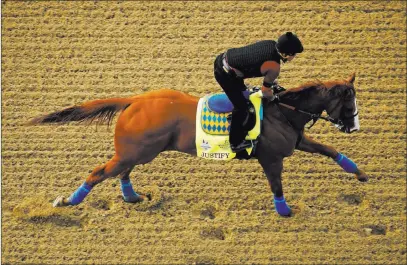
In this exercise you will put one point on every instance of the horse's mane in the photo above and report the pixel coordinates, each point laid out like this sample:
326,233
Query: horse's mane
326,87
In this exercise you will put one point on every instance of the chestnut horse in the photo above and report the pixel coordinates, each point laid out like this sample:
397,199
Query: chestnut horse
164,120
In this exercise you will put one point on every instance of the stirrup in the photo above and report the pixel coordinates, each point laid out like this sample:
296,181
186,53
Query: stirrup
242,146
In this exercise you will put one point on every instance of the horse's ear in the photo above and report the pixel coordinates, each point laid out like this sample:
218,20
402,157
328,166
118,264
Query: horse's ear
351,78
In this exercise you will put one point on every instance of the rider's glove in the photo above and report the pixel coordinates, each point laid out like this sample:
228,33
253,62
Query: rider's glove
277,88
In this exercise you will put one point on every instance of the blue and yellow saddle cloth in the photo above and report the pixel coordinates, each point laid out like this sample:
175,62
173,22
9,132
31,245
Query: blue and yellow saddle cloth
212,125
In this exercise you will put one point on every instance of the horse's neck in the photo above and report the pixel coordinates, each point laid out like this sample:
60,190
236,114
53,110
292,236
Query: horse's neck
296,119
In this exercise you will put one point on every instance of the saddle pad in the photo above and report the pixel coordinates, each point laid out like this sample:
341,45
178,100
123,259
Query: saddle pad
220,102
213,122
212,130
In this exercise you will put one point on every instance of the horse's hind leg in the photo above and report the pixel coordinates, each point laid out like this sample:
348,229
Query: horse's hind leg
129,195
112,168
309,145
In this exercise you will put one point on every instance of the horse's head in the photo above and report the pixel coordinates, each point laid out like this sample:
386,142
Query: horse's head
341,104
337,98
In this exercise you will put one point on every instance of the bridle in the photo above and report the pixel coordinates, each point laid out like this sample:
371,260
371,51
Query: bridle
316,116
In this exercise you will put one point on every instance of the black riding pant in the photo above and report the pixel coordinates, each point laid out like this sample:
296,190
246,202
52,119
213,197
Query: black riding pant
233,87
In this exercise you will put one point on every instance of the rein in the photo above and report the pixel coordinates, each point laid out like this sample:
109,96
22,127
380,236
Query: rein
315,116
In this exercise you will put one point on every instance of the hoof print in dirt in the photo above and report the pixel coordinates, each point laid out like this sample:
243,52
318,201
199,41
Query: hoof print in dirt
213,233
100,205
351,199
208,212
374,230
204,261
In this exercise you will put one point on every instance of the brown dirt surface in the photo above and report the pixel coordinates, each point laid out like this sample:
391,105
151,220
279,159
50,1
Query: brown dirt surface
56,54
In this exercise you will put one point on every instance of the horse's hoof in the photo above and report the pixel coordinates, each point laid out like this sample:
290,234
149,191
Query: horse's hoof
134,199
60,202
363,178
287,215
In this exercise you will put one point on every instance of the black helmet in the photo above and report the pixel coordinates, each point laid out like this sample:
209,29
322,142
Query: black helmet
289,43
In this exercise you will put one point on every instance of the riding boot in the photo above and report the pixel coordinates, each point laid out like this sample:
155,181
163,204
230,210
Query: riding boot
237,130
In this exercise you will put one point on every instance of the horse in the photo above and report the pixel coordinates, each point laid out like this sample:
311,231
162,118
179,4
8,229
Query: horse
165,120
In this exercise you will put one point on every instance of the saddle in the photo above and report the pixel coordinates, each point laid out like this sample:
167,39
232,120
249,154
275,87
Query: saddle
220,102
213,125
217,114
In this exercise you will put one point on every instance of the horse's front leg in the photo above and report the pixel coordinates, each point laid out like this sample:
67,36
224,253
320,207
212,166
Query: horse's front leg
273,167
309,145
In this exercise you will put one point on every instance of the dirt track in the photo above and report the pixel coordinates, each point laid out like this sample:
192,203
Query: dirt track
55,55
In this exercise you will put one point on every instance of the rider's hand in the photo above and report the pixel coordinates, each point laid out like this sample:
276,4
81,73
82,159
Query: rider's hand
277,88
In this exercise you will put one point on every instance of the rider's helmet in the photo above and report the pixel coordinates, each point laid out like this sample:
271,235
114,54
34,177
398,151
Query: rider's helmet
289,44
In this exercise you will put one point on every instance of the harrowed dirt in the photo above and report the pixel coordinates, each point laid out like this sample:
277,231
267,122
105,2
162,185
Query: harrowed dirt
58,54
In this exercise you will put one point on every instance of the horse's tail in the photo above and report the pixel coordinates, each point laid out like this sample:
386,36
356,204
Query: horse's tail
102,110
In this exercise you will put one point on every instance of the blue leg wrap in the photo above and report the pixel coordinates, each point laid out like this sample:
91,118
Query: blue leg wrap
127,189
80,194
347,164
281,206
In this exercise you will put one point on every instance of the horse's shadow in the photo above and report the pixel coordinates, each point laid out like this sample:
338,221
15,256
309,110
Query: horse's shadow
37,210
58,220
153,203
